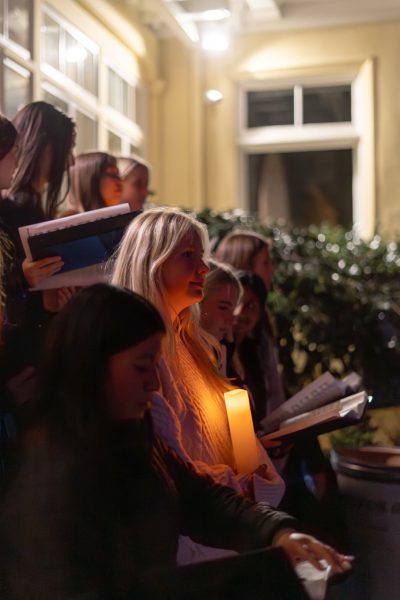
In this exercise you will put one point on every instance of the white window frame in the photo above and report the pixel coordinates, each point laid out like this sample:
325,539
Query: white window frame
57,75
357,136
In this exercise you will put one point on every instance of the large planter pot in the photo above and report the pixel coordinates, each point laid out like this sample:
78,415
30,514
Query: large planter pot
369,481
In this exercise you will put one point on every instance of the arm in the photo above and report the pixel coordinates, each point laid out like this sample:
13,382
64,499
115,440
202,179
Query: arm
214,515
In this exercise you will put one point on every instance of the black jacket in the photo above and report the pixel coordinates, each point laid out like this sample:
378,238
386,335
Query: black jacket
105,520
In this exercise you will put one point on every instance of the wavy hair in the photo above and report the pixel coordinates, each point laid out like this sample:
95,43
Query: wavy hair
148,242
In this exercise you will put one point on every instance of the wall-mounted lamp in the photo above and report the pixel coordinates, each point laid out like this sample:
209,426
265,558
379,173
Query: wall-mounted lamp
212,96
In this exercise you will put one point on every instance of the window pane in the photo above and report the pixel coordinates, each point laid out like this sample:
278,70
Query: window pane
90,73
114,143
327,104
268,108
51,46
16,91
86,132
55,101
121,95
75,59
302,187
115,91
19,18
133,149
2,17
73,55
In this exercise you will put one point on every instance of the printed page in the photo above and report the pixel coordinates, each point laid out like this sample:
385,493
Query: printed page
346,409
321,391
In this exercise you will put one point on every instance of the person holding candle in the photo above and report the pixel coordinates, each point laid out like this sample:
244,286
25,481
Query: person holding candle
162,256
113,497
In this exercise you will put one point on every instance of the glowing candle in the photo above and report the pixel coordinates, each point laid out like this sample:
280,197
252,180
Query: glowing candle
242,431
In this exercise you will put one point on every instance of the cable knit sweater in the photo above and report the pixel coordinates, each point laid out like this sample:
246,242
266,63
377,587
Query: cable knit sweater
190,418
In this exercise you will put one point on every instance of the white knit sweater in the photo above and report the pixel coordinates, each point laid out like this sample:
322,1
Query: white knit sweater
192,420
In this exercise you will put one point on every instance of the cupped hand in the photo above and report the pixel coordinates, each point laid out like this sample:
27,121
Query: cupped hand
301,547
36,270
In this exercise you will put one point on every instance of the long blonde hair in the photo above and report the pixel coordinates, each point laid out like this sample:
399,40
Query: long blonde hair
148,242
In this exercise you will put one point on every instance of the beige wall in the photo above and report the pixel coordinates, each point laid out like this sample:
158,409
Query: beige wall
263,56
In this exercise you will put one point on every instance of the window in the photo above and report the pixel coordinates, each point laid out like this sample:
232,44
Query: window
268,108
306,147
16,88
302,187
327,104
121,95
67,50
16,21
299,105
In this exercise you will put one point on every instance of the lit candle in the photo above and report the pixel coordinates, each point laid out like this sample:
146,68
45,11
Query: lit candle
242,431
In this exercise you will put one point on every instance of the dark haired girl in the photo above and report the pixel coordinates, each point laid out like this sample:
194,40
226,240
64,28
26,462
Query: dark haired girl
45,145
95,182
97,503
255,350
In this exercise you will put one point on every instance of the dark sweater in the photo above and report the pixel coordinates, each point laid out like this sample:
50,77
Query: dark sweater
105,520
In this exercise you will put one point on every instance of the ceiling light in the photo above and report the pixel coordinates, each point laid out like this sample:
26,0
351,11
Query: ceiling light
215,41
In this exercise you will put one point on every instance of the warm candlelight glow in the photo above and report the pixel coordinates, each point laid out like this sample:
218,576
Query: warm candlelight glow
242,431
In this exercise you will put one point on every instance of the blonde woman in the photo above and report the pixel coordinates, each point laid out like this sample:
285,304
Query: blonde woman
163,258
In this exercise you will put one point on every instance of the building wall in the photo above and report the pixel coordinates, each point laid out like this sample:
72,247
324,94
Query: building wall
262,56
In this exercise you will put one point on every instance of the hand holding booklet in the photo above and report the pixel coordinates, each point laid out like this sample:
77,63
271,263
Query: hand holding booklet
84,241
323,405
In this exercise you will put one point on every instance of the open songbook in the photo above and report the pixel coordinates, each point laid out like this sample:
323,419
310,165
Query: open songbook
84,241
320,406
335,415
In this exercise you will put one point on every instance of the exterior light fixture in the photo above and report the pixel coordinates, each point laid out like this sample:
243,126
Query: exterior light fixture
212,96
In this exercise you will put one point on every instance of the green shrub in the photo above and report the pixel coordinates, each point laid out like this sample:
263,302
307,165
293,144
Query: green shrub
335,299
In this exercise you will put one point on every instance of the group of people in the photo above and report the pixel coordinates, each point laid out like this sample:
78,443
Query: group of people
123,466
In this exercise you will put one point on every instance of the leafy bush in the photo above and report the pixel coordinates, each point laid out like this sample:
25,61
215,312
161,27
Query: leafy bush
336,302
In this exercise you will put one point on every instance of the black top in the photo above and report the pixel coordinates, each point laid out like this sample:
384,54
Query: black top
80,519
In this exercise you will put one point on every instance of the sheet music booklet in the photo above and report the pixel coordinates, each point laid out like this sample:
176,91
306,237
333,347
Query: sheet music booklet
84,241
321,406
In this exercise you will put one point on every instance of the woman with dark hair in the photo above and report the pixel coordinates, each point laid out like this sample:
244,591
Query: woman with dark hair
256,362
97,503
45,151
95,182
